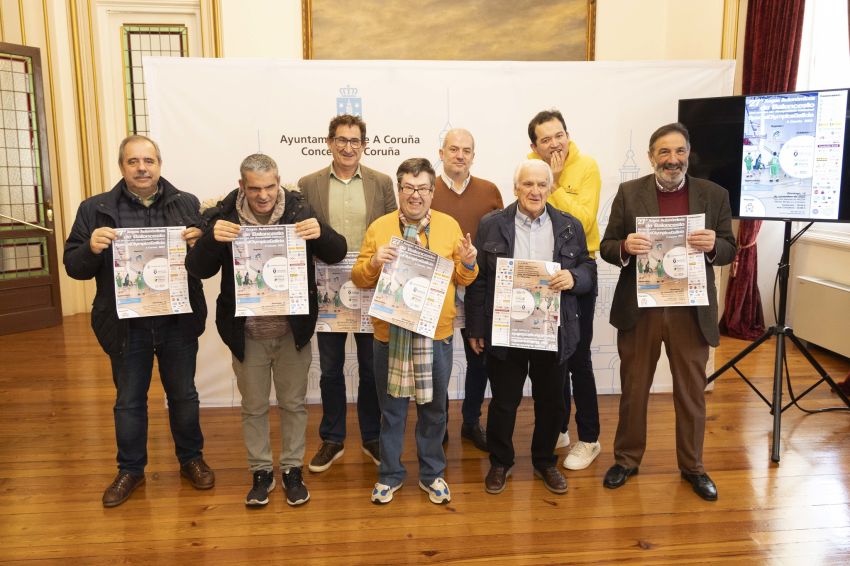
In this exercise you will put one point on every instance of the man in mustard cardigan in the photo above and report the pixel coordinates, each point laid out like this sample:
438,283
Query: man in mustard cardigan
401,354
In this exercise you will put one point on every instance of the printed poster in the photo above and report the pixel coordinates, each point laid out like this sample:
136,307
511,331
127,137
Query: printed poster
411,290
343,307
270,271
526,313
460,306
149,273
672,274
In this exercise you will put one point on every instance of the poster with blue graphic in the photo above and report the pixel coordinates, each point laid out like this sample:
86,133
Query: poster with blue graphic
270,271
526,312
793,146
672,274
150,278
412,289
343,307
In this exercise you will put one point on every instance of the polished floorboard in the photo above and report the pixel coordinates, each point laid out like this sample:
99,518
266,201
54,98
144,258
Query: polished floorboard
57,455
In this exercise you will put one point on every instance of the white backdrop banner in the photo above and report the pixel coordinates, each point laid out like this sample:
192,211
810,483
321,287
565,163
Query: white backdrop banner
208,114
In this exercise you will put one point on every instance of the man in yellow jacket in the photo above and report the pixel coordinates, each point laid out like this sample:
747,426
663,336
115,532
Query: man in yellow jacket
400,355
576,192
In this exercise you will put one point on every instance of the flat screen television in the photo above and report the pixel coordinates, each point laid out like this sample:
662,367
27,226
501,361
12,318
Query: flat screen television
781,156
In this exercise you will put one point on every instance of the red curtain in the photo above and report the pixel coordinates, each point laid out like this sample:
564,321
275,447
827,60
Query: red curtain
771,56
743,317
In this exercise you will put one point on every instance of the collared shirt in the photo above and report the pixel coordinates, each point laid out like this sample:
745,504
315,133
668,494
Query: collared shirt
144,201
671,202
534,238
138,212
347,207
451,185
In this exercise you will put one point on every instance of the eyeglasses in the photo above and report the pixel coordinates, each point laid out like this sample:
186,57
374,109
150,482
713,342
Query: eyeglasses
341,142
410,189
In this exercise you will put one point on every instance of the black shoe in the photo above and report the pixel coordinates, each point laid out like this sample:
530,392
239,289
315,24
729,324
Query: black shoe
617,475
293,484
474,432
372,448
702,484
263,486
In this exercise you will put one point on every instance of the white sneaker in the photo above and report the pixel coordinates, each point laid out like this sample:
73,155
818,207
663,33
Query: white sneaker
582,454
438,492
383,493
563,440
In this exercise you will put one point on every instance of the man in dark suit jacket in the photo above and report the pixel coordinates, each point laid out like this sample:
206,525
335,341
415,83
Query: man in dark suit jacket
686,331
348,196
528,229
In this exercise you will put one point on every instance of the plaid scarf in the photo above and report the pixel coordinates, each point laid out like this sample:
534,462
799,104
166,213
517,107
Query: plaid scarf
411,355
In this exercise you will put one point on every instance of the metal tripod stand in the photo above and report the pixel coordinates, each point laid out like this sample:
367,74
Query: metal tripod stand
780,330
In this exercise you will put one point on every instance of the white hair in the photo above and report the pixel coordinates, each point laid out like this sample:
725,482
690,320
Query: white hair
530,164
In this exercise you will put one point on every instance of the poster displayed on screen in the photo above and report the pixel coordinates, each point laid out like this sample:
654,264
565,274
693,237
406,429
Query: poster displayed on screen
792,153
783,156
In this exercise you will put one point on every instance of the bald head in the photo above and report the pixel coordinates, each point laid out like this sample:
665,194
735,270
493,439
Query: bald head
457,154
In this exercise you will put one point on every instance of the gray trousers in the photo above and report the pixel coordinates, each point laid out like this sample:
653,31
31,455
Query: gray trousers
273,360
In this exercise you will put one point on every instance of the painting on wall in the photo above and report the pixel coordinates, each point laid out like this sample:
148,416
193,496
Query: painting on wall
469,30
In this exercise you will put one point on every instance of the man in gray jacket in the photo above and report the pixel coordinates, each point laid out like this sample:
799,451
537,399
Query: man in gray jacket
347,196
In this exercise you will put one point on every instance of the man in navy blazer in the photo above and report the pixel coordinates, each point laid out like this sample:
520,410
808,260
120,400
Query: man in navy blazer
686,331
528,229
348,197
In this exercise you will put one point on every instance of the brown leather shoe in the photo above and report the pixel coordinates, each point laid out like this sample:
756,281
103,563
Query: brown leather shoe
476,434
497,478
552,479
120,489
198,473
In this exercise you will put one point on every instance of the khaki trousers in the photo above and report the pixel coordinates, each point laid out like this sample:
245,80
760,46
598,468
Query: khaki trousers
687,350
267,361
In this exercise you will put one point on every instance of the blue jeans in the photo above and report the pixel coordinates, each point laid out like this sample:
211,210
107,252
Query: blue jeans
579,372
430,419
332,384
131,373
475,384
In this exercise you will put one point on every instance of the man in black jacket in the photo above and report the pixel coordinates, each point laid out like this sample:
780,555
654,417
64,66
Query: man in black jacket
143,199
528,229
266,349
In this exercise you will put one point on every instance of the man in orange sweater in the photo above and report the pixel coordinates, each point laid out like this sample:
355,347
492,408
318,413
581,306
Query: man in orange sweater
402,355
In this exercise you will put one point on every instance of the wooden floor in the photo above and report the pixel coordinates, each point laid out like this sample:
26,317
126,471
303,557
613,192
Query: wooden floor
57,456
